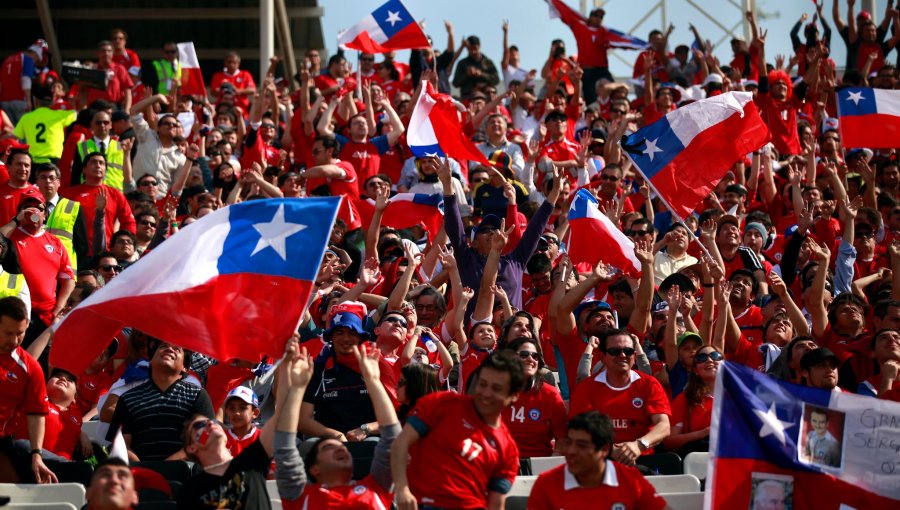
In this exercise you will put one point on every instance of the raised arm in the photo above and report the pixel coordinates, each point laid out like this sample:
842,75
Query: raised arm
640,317
292,378
324,125
385,415
670,346
836,16
148,102
504,62
394,136
816,304
374,231
851,23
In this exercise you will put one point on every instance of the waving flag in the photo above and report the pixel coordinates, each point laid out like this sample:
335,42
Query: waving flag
231,285
687,152
191,77
799,446
616,38
594,237
389,27
869,118
407,210
435,129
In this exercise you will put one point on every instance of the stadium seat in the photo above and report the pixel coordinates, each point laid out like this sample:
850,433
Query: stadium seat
40,506
363,452
541,464
272,489
524,466
276,504
91,428
522,486
20,493
684,500
696,463
675,483
662,463
71,472
173,470
516,503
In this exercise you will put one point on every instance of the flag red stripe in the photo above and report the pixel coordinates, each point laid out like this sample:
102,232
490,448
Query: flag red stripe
873,131
409,38
229,316
694,172
590,243
365,44
402,214
192,82
445,120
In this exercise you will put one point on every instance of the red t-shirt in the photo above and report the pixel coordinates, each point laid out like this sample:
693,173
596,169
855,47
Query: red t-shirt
623,488
117,208
536,418
62,430
697,418
118,81
469,361
326,81
474,458
10,198
563,150
747,353
237,444
739,62
630,408
11,77
364,156
241,80
571,347
91,387
349,189
593,42
781,118
129,60
660,74
362,495
258,152
751,323
22,390
46,262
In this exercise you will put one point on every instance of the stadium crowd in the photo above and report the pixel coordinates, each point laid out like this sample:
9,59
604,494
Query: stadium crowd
463,348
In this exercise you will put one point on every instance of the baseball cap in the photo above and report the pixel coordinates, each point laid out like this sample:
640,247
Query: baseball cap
660,307
687,335
489,222
555,115
244,393
818,356
349,314
866,154
592,305
736,188
712,78
37,197
684,283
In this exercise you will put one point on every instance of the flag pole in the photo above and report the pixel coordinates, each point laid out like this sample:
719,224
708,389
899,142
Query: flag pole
665,202
359,77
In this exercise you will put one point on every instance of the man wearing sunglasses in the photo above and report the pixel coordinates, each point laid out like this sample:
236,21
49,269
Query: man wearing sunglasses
636,402
102,142
157,154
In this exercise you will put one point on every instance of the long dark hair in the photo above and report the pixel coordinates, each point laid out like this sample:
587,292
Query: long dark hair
536,380
421,380
696,390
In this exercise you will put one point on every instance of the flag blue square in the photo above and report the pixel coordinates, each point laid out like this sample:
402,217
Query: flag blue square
392,17
653,147
857,101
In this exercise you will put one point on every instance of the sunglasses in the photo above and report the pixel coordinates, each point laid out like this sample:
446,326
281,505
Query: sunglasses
395,320
147,223
639,232
149,183
530,354
618,351
167,124
109,267
703,357
611,178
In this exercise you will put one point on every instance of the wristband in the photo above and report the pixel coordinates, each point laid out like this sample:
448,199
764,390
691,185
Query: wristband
36,452
708,285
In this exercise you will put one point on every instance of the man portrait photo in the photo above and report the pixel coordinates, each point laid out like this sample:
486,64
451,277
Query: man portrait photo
771,492
821,446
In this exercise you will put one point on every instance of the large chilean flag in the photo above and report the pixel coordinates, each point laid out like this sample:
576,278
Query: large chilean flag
594,237
389,27
407,210
799,447
435,129
870,118
688,151
231,285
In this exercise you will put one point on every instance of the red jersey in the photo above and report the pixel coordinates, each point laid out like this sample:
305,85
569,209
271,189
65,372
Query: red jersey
259,152
326,81
10,198
571,347
47,262
536,418
117,82
91,387
781,118
22,389
658,66
364,156
563,150
241,80
469,361
653,114
62,430
698,417
750,321
630,408
348,188
12,70
623,488
362,495
593,42
474,457
741,61
237,444
538,305
117,208
747,353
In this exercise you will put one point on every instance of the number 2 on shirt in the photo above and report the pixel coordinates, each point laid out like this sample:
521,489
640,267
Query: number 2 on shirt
470,449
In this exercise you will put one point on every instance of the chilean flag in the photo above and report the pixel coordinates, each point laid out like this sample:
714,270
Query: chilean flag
231,285
799,447
688,151
389,27
191,77
435,130
407,210
870,118
594,237
616,38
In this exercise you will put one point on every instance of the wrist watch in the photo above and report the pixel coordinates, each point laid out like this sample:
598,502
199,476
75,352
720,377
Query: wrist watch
365,428
643,444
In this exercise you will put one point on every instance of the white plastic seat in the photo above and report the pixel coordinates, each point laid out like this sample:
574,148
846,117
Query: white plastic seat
40,506
522,486
276,504
696,464
684,500
541,464
19,493
675,483
94,432
272,489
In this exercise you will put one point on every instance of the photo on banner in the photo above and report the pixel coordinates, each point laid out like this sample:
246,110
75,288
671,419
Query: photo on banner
770,491
822,437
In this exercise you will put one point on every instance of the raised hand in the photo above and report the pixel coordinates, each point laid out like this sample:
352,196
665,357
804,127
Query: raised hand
101,199
467,294
445,254
368,357
674,297
382,198
644,252
777,285
370,273
501,237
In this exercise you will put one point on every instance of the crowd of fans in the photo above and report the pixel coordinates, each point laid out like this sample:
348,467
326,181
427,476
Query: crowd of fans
483,340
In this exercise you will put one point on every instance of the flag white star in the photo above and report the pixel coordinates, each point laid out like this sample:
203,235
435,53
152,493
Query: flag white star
274,233
856,97
651,149
431,154
393,17
771,424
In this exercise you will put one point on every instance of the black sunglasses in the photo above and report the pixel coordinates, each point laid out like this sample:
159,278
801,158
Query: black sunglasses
529,354
110,267
617,351
148,223
149,183
396,320
638,232
703,357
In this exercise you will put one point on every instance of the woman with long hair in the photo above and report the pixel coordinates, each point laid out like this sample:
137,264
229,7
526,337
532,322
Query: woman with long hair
416,380
692,409
538,416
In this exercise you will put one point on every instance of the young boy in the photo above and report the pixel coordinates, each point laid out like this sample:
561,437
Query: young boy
241,410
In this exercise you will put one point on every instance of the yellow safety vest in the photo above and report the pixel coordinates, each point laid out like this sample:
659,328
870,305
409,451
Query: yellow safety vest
11,284
115,177
165,73
61,223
